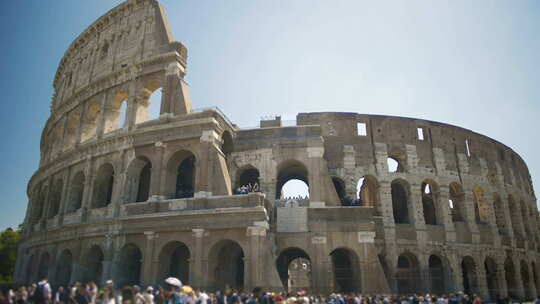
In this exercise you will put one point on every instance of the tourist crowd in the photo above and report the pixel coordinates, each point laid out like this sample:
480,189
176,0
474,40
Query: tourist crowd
245,189
173,292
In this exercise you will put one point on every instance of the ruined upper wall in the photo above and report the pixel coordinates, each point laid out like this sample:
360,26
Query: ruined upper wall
131,32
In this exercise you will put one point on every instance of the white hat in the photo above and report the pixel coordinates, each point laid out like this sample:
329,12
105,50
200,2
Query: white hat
150,288
109,282
174,282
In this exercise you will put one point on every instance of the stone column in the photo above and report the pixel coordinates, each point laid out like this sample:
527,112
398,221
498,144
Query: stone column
370,267
256,236
109,257
321,266
157,179
457,273
204,165
197,272
446,213
102,119
175,99
147,269
315,155
470,218
481,279
501,279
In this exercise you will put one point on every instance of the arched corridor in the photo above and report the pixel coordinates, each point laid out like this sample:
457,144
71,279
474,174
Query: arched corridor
226,265
294,269
437,275
346,269
408,274
174,261
92,265
64,267
469,275
129,266
492,280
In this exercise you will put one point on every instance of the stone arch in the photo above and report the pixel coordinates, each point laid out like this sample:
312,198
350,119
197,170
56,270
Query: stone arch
400,201
92,265
456,202
368,193
430,194
515,216
129,265
90,123
481,208
29,266
116,112
38,209
44,264
174,260
138,178
247,175
149,102
76,191
469,275
294,268
492,279
510,276
103,186
64,267
526,279
525,219
181,174
408,274
500,218
55,198
226,265
339,186
346,269
396,160
290,170
72,126
437,274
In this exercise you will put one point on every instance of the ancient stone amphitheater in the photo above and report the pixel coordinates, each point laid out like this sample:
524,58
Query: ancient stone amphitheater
121,195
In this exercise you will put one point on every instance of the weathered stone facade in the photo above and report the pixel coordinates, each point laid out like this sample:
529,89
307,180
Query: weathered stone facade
145,199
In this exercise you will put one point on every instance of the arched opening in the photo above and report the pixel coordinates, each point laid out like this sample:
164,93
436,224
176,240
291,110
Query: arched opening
456,201
292,180
500,220
129,266
227,265
93,112
29,265
491,278
44,263
227,145
181,174
408,274
149,107
138,180
525,220
394,165
510,276
115,116
515,216
468,268
247,181
429,199
55,198
72,127
400,202
63,268
367,193
294,269
93,264
174,261
437,275
76,193
103,186
346,268
480,205
525,278
38,207
339,186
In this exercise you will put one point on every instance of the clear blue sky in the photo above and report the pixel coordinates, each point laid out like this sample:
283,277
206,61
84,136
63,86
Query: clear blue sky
471,63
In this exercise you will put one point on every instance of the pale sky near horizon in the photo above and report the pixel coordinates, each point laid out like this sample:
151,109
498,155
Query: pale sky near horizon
473,64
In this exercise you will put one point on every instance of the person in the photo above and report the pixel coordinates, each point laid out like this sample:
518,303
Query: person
92,292
203,297
172,291
108,296
62,296
81,295
537,300
256,297
42,294
22,296
149,295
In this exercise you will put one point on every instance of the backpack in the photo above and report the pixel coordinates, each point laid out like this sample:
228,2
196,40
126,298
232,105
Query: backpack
39,297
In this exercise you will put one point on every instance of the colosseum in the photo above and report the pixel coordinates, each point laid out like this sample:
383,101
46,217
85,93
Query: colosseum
395,205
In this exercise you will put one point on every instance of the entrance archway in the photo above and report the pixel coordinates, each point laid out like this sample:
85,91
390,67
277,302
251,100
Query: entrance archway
44,263
181,171
294,269
408,274
491,278
468,268
346,268
174,261
436,274
64,268
129,266
93,264
295,174
227,265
